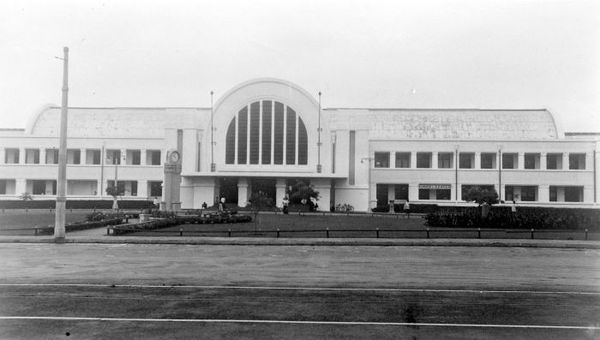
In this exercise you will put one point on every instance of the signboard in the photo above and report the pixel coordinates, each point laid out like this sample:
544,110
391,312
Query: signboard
435,186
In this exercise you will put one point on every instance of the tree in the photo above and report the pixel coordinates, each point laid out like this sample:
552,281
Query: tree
481,194
301,191
114,192
259,201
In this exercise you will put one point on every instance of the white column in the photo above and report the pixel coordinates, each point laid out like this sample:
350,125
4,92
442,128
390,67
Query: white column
143,156
242,192
42,155
142,189
477,160
2,155
413,192
565,159
413,159
323,186
280,192
434,160
521,160
588,193
22,155
20,186
543,193
543,161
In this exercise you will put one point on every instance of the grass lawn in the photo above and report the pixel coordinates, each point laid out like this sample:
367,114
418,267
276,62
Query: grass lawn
20,219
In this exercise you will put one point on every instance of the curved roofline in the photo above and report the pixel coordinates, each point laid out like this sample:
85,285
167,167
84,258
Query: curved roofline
264,80
560,132
33,119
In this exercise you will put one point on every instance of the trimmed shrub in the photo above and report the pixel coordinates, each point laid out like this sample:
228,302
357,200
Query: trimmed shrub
524,218
75,204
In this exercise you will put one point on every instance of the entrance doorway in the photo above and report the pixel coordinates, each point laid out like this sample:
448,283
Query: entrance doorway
266,185
228,188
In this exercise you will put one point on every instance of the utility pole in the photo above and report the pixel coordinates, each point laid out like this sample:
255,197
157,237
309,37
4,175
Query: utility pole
61,200
319,167
213,166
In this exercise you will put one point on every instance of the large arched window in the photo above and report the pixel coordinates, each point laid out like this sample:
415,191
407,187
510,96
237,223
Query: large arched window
266,132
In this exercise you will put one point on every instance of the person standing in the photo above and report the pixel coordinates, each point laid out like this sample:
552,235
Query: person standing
406,208
222,204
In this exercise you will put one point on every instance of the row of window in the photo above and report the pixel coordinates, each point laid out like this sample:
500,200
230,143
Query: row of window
78,187
488,160
266,132
74,156
526,193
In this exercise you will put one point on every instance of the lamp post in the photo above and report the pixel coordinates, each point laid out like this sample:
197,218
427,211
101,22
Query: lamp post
61,200
319,167
213,166
362,160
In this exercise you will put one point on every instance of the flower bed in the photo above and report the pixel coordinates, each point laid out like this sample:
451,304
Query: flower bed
210,218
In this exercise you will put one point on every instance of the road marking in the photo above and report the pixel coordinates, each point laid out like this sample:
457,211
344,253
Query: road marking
334,323
349,289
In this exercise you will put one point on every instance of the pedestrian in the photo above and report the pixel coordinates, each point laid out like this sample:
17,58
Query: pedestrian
204,205
156,203
222,204
406,208
285,204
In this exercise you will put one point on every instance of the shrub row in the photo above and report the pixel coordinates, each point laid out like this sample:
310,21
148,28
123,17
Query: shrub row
178,220
524,218
74,204
83,225
414,208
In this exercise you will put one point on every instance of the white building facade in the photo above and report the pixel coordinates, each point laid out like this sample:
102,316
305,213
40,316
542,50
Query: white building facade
268,133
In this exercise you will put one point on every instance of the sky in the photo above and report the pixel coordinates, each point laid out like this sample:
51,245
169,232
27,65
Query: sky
493,54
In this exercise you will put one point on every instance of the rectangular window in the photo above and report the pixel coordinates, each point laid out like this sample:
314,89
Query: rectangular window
566,193
51,156
382,159
133,157
11,156
155,188
254,132
402,159
243,136
266,131
488,160
126,188
445,160
554,161
278,134
423,194
423,159
152,157
532,161
401,192
466,160
526,193
509,160
442,194
529,193
43,187
465,188
32,156
7,186
230,143
381,193
290,151
113,157
92,156
73,156
577,161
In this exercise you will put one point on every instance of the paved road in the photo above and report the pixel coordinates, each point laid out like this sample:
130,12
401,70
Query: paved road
49,290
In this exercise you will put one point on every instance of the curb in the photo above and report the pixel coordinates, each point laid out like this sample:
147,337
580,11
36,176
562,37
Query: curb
318,242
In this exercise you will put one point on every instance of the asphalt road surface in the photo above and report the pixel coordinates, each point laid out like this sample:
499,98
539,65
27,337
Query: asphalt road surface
82,291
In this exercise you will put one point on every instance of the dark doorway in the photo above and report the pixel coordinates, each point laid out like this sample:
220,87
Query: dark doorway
266,185
228,189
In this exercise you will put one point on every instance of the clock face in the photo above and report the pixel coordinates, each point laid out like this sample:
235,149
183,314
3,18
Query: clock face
174,156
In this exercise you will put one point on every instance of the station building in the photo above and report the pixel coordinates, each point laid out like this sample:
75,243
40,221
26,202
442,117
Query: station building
268,133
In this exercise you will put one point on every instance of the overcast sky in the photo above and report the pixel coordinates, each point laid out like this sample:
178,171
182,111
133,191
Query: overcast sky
412,54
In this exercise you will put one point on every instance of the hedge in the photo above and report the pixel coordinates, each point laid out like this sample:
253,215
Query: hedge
523,218
83,225
75,204
414,208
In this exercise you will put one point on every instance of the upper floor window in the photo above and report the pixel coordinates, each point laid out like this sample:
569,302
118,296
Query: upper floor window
266,132
32,156
554,161
445,160
577,161
152,157
509,161
423,159
11,156
532,161
113,156
382,159
133,157
488,160
92,156
402,159
73,156
51,156
466,160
